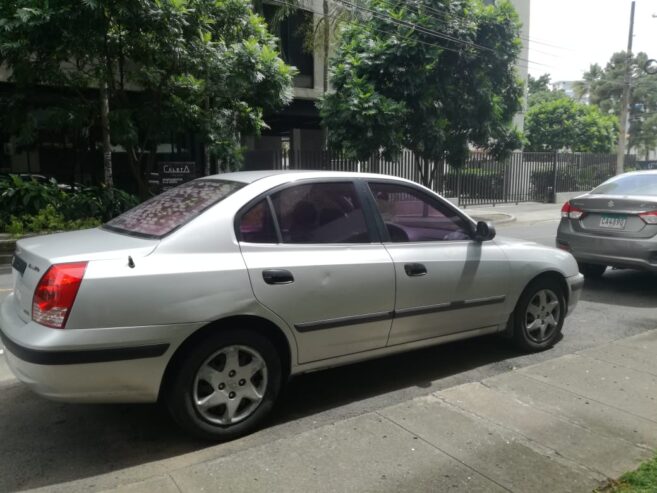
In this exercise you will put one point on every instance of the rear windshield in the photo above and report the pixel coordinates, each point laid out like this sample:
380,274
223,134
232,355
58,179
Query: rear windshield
168,211
637,184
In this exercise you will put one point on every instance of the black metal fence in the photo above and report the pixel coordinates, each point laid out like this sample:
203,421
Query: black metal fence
522,177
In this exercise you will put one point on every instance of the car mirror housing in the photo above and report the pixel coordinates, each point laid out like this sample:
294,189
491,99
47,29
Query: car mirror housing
484,231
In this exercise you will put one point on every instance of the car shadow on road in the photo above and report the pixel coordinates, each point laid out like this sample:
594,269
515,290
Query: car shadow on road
623,288
46,443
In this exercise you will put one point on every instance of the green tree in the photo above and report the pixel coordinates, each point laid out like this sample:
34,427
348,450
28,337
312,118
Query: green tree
539,90
398,85
148,69
605,87
567,124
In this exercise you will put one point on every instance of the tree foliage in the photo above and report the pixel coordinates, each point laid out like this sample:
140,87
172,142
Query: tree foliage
539,90
170,66
567,124
605,88
398,86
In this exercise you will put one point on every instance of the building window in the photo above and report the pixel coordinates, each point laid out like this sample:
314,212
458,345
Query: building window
292,32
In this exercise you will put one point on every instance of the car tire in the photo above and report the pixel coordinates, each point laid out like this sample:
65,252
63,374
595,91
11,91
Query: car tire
539,315
211,394
592,271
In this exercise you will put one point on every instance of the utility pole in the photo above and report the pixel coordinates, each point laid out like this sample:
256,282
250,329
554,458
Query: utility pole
622,137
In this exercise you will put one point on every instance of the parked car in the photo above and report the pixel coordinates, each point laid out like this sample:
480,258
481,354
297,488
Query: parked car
613,225
210,295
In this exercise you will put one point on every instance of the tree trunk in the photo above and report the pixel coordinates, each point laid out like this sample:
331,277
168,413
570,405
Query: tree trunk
326,36
105,127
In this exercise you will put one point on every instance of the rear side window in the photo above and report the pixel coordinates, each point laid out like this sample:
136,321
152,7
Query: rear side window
321,213
168,211
257,224
638,184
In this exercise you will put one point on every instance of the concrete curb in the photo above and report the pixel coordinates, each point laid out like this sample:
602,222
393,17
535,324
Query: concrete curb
496,217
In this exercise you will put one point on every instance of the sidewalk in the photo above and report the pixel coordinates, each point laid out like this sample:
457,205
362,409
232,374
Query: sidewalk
523,212
567,424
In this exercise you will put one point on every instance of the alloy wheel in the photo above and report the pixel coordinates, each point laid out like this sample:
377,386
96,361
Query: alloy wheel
543,315
230,385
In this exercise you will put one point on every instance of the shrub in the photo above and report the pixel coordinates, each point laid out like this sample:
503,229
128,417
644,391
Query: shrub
45,221
476,183
28,205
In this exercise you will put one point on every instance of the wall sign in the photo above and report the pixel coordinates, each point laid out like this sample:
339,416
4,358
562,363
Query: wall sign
173,173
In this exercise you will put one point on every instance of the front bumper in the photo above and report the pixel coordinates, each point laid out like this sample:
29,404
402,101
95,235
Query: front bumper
124,364
632,253
575,286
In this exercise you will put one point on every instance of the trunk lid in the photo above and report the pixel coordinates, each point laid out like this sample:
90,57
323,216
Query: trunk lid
33,257
614,215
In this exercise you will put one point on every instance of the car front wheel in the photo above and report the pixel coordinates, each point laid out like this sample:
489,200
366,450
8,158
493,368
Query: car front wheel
226,385
539,315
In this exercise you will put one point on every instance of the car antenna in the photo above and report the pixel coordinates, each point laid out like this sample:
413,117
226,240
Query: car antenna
131,263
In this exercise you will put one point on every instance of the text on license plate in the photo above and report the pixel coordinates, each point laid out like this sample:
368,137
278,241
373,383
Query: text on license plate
613,222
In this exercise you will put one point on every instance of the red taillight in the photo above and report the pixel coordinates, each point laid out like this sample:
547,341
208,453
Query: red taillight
649,217
55,294
568,210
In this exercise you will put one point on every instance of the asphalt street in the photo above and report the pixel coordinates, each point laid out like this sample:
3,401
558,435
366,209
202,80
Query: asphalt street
43,443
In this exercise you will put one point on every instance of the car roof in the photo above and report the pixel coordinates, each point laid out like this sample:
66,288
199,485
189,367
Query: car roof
283,176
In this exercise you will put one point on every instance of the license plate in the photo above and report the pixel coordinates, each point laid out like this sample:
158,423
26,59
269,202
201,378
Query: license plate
613,222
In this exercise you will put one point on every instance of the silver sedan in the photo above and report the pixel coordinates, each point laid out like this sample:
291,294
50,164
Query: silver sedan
613,225
210,296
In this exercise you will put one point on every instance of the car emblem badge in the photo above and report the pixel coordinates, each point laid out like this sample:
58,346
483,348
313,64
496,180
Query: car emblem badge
610,203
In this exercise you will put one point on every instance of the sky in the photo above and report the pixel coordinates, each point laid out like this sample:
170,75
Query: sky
567,36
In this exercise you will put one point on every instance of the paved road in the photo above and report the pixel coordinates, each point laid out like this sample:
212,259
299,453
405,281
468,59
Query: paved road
44,443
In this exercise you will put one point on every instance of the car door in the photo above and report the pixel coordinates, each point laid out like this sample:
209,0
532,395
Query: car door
445,281
315,262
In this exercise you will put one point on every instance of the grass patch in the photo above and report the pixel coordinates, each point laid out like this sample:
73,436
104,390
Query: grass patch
642,480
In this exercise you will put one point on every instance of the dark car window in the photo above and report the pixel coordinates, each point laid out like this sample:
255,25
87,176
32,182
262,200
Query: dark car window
257,224
637,184
168,211
410,215
321,213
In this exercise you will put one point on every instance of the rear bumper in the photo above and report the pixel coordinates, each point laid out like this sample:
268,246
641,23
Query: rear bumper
123,364
633,253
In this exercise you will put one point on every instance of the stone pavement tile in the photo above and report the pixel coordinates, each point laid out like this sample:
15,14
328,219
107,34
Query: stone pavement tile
614,385
155,485
593,415
498,453
634,357
366,453
604,454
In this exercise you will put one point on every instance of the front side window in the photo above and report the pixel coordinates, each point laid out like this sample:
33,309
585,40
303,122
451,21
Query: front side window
168,211
410,215
320,213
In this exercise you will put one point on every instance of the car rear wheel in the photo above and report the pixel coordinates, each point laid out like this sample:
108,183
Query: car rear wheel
592,271
226,385
539,315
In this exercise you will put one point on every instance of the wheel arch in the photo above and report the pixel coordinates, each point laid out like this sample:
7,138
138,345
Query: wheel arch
255,323
551,274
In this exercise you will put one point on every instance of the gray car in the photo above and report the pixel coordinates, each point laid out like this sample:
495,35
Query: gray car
613,225
211,295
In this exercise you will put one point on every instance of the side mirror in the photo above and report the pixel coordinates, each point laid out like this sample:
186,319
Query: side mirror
485,231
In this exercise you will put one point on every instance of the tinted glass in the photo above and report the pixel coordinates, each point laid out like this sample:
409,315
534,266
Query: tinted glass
639,184
410,215
257,225
321,213
162,214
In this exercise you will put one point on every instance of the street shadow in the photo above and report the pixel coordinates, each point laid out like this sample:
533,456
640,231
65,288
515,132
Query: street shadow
622,288
46,443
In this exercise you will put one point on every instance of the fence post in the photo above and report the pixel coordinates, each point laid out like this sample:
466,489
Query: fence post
552,197
458,186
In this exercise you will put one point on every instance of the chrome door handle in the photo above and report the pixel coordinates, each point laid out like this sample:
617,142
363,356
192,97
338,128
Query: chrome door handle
277,276
414,270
